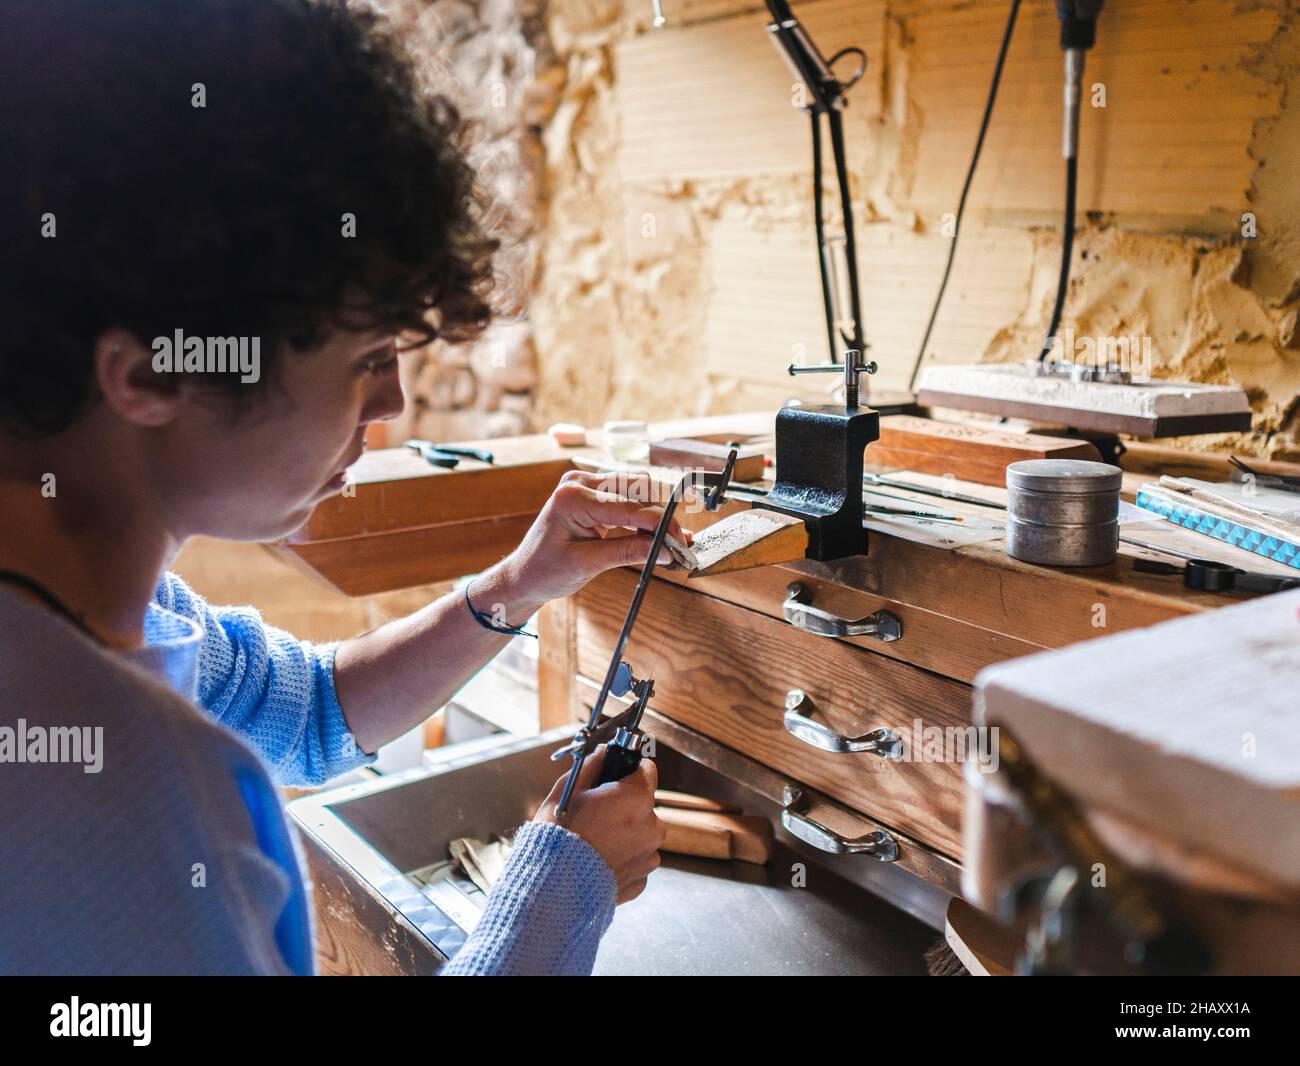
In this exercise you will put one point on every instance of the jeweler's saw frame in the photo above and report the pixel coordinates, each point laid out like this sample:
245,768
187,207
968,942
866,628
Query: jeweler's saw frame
622,731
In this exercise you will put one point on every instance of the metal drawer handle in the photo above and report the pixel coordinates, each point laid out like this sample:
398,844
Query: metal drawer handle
800,613
878,843
799,705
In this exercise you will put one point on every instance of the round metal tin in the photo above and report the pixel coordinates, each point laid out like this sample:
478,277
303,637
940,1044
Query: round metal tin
1063,512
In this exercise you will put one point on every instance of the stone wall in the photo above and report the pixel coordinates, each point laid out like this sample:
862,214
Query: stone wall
491,58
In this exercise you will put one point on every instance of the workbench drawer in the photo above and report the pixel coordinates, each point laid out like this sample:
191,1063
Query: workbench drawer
931,640
729,672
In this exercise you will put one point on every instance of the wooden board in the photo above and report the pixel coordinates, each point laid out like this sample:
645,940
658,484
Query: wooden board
964,451
1143,457
746,539
404,523
357,934
708,455
556,694
406,558
392,489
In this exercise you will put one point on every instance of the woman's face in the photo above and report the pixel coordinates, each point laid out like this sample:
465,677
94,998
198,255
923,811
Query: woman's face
255,472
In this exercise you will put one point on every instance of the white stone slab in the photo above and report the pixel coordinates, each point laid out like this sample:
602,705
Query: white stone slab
1190,728
1150,399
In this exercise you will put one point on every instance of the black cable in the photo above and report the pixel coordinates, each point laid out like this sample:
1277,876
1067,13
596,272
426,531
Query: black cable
50,600
1067,245
819,223
965,189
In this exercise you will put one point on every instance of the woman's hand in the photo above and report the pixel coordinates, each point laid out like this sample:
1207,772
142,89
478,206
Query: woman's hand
571,541
617,819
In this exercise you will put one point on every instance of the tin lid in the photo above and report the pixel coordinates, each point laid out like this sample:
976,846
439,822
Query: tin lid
1064,475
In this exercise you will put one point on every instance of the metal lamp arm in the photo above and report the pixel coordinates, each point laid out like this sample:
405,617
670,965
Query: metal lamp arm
826,95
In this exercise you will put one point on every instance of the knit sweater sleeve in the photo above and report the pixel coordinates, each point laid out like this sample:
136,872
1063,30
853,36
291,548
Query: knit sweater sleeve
547,912
269,687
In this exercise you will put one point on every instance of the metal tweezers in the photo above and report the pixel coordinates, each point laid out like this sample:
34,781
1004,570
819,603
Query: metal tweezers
1285,482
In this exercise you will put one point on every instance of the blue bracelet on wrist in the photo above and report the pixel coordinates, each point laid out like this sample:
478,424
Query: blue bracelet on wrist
486,620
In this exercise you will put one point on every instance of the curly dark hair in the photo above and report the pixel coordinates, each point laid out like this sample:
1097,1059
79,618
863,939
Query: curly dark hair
224,219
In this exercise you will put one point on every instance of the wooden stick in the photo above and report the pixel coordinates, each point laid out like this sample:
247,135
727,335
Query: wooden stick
689,837
684,801
749,836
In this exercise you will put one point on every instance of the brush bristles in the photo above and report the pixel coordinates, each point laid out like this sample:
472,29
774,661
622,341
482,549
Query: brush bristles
942,961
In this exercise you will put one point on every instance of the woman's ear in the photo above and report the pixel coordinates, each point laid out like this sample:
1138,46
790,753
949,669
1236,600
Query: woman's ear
130,383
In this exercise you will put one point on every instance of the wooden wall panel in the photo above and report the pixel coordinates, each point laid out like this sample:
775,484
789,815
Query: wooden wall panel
714,100
1173,139
765,307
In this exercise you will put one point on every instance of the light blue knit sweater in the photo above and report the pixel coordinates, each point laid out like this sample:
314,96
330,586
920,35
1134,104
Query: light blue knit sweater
545,916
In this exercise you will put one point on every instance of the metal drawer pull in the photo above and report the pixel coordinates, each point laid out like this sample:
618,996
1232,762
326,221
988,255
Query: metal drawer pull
878,843
802,615
799,705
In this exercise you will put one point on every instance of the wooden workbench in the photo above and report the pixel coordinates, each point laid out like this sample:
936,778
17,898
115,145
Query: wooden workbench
721,650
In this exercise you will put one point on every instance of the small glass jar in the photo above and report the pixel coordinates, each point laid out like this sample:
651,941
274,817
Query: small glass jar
626,442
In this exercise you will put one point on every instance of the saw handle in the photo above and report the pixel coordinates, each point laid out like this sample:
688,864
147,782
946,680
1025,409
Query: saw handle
619,762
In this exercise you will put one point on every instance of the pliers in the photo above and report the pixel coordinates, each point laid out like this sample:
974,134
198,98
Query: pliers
447,456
